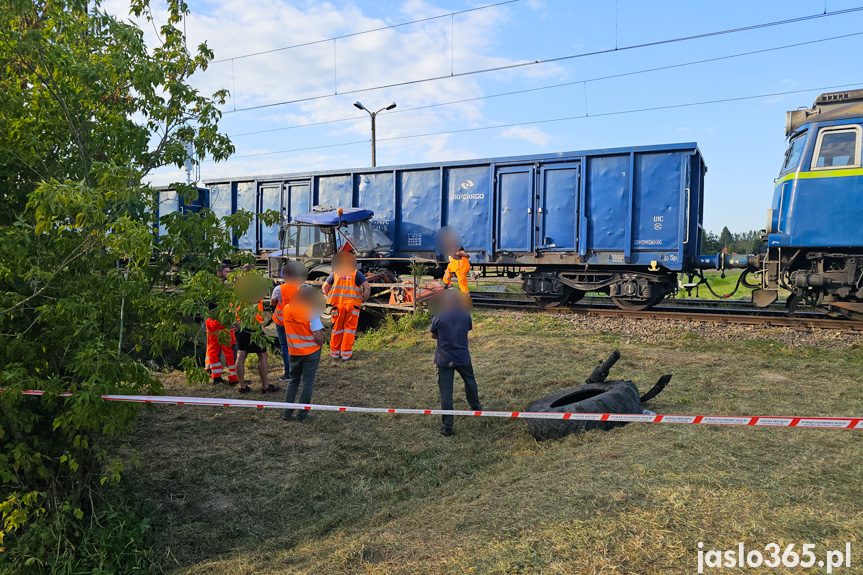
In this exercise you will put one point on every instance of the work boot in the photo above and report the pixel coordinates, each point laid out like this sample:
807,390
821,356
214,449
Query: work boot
447,431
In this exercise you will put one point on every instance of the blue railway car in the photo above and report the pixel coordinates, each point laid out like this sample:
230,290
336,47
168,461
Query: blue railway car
170,201
624,221
815,223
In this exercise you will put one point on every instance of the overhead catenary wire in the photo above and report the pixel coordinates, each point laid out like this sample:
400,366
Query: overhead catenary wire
554,86
517,65
360,33
552,120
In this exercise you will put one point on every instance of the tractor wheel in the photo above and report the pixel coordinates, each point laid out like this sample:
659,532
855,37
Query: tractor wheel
611,397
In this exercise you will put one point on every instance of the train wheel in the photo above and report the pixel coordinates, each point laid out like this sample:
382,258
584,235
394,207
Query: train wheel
634,304
569,296
548,302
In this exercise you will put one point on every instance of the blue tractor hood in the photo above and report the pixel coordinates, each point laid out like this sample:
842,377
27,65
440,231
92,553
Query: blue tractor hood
331,217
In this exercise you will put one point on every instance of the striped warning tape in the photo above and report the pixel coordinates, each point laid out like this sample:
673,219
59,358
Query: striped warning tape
756,421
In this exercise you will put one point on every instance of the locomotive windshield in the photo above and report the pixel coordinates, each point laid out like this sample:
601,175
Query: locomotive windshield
794,153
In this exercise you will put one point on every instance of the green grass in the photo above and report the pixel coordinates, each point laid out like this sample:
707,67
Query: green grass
240,491
720,285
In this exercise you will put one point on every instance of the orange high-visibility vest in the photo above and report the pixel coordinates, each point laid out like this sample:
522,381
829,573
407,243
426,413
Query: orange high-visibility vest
285,293
258,316
457,268
298,333
345,290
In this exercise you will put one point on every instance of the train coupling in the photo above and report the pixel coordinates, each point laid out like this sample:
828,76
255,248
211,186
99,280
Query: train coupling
723,261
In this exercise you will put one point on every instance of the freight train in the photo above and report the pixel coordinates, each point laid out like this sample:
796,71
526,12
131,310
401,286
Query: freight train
623,221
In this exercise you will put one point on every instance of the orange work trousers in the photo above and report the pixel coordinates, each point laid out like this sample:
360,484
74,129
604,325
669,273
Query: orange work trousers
345,320
216,347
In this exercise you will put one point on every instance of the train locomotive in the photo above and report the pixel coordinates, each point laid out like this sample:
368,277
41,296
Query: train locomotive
626,221
814,234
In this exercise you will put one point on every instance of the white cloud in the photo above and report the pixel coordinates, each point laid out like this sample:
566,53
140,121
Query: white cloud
233,28
531,134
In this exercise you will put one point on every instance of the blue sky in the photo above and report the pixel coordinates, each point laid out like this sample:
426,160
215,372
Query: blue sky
742,142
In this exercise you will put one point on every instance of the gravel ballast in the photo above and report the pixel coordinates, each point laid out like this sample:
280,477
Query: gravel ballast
634,330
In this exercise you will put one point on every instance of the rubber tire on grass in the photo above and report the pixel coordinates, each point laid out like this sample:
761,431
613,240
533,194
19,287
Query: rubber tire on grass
610,397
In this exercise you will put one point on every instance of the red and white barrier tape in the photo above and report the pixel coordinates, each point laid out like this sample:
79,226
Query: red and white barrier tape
756,421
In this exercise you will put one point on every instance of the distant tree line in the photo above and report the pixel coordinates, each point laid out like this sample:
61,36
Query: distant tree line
736,243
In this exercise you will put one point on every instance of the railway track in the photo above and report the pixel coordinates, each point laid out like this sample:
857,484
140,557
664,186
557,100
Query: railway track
678,310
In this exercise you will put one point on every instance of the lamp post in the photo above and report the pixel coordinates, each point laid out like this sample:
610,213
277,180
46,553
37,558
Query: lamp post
374,115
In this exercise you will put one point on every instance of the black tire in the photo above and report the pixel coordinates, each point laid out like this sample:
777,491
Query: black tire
610,397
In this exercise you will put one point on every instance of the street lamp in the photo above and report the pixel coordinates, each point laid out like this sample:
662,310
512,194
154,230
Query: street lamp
373,115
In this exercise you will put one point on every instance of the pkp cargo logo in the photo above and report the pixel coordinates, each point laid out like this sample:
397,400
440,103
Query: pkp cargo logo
466,187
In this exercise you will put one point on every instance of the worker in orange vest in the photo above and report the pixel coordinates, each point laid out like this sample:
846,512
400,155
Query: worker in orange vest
220,341
304,335
458,267
346,290
293,275
247,289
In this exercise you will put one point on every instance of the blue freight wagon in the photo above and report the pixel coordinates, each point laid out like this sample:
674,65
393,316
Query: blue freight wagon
169,201
624,221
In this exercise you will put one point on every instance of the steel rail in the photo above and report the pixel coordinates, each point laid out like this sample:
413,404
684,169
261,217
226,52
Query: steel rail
767,317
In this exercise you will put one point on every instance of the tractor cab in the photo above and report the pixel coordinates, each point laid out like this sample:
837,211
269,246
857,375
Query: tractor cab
313,238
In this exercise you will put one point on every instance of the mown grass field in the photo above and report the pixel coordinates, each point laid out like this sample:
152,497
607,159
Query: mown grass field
235,491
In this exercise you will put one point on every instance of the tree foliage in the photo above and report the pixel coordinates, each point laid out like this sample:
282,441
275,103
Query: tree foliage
735,243
87,294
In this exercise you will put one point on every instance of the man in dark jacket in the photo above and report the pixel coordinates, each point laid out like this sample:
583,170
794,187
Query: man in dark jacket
450,328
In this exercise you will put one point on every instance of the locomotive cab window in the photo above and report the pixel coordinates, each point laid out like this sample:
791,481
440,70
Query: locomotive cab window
837,148
794,153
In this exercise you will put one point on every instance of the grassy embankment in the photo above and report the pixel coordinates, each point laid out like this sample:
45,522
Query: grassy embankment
239,491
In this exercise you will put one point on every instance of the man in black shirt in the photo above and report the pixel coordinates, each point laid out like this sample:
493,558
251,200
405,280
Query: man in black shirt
450,328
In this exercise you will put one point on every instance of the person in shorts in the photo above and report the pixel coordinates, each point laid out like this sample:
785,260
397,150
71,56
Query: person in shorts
246,343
